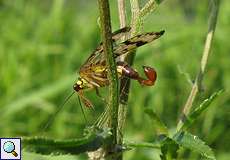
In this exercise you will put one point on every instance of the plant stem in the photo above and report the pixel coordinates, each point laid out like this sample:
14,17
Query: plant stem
116,123
125,82
122,108
112,71
135,9
148,8
135,25
122,13
208,43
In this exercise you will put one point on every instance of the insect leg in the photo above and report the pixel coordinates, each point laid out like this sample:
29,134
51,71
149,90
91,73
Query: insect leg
99,95
86,102
97,92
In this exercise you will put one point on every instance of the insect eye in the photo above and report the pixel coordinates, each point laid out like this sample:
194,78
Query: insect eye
77,87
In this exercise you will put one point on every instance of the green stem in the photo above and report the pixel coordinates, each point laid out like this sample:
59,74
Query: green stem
122,13
135,9
112,70
142,144
135,25
207,47
149,7
122,109
112,75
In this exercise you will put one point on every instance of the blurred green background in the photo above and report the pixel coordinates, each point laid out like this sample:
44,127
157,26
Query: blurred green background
43,44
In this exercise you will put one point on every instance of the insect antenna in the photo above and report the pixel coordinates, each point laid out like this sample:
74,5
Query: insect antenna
79,100
52,118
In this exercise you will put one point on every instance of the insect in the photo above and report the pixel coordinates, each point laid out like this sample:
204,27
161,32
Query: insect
93,73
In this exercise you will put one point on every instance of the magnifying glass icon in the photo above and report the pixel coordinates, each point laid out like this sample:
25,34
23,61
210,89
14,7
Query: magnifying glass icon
9,147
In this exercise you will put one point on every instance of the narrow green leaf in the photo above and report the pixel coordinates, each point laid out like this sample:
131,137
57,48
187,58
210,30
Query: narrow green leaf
189,120
90,142
160,127
193,143
129,144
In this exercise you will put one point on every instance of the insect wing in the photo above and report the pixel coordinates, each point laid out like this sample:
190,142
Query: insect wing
136,42
97,57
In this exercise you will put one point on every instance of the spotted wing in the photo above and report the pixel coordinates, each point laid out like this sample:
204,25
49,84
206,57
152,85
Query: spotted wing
94,69
135,42
97,56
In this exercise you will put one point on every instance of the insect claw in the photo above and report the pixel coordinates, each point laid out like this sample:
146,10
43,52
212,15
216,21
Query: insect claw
150,74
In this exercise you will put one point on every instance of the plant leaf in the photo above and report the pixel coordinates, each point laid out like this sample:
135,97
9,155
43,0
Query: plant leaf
90,142
160,127
169,149
189,120
193,143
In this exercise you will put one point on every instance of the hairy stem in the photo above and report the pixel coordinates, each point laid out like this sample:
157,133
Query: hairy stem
199,78
116,123
112,71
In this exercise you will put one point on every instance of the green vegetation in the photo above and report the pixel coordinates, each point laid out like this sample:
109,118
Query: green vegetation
44,43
